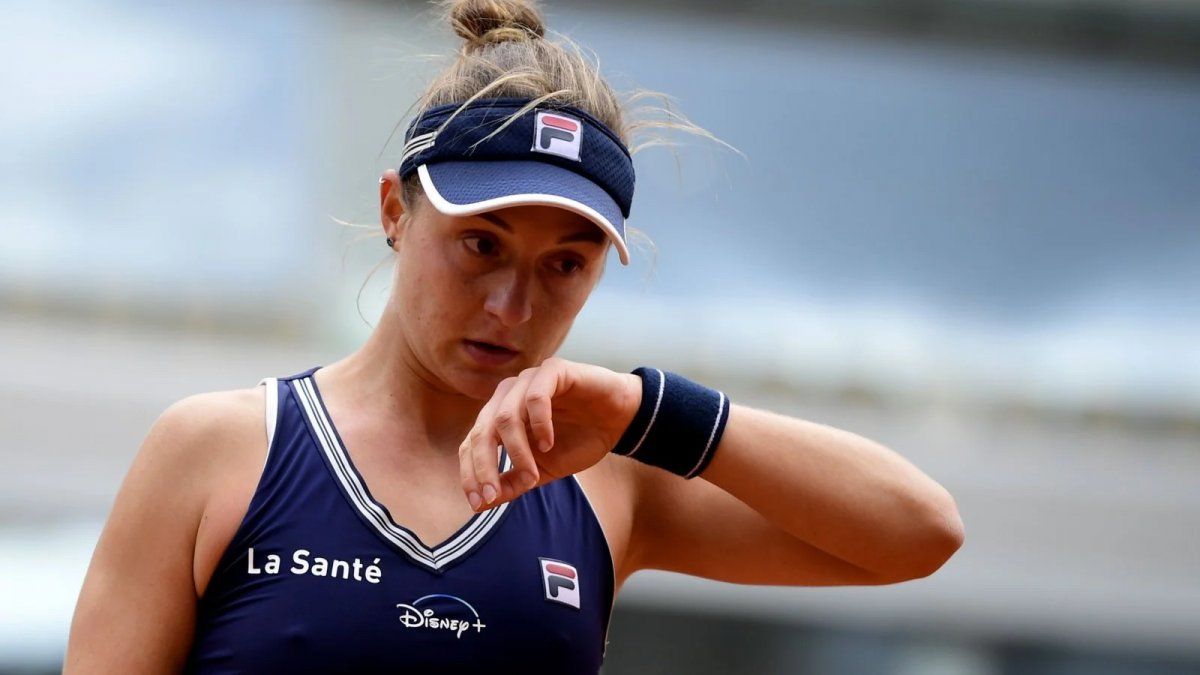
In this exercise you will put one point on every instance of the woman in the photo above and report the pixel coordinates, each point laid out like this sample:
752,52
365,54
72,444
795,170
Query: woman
546,482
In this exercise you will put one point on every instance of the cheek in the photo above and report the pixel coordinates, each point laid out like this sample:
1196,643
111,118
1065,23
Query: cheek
571,298
424,283
557,312
448,297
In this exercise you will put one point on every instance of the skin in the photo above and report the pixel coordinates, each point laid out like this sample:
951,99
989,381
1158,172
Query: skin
421,419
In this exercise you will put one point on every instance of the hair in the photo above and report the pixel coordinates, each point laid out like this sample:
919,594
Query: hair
506,53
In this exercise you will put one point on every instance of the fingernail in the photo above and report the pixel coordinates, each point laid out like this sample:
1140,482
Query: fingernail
474,498
544,445
489,493
528,479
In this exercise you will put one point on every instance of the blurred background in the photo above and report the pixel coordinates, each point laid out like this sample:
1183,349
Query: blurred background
968,229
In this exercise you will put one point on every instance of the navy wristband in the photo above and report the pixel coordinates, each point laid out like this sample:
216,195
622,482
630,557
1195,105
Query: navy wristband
677,426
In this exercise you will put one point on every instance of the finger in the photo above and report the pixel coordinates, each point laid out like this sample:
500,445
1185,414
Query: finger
511,485
483,464
509,422
538,396
466,473
483,440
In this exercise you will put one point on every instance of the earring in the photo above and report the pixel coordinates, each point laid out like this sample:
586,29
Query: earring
390,242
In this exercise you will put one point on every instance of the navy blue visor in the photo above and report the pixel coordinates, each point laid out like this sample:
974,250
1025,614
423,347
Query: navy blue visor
484,157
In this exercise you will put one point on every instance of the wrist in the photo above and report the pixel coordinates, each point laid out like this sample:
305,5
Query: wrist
677,424
629,400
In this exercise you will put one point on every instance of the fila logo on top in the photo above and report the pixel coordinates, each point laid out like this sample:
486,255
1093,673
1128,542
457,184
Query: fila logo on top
557,134
561,582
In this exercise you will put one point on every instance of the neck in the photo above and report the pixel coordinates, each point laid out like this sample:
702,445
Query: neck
385,379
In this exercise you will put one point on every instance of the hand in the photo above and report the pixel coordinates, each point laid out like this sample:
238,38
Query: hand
572,413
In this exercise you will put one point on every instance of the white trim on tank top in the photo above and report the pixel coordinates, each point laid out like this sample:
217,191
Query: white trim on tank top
329,441
272,410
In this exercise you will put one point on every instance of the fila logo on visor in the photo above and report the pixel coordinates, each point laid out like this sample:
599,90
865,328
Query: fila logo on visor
557,134
561,582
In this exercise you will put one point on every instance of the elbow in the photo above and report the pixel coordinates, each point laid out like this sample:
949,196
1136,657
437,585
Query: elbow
938,535
942,536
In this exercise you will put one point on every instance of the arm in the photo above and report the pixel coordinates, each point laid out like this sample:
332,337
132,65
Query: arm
791,502
783,500
136,610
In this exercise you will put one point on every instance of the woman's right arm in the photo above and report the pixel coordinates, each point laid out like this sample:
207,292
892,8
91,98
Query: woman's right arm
137,609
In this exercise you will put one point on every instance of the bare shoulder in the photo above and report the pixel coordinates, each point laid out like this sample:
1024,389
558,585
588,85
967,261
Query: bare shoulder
210,429
205,421
223,443
195,441
196,471
140,587
190,438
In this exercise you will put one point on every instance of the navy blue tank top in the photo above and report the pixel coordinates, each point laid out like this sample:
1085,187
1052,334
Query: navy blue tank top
319,577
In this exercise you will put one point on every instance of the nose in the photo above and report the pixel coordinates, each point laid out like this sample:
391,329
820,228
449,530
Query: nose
508,298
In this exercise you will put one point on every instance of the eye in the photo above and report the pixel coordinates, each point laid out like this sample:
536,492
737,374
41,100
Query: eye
481,245
568,266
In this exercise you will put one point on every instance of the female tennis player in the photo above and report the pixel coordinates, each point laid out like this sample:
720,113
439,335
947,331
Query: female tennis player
453,497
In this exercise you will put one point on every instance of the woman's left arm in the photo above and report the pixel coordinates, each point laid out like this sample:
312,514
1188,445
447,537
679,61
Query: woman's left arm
782,500
788,501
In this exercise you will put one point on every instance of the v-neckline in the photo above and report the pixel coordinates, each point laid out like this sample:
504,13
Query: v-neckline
374,514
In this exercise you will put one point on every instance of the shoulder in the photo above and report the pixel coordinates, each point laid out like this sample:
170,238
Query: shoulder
640,507
625,481
614,486
140,583
201,420
202,459
196,437
205,428
192,444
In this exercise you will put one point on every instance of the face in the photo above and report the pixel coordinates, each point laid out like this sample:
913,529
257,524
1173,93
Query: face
483,297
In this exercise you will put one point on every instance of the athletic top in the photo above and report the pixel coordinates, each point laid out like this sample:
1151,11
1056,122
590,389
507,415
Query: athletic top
320,578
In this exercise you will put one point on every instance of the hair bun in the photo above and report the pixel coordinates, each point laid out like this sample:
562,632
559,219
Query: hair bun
481,22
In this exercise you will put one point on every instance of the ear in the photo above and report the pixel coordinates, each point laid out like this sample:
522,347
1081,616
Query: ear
391,207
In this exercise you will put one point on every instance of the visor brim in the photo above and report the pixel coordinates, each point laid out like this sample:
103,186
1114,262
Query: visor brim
468,188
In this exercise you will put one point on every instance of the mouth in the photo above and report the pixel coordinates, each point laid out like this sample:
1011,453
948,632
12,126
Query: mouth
489,353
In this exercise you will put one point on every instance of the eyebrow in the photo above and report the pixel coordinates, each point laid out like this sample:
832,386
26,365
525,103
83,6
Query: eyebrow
593,234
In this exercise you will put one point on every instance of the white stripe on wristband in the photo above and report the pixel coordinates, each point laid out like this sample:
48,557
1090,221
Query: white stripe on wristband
662,382
708,448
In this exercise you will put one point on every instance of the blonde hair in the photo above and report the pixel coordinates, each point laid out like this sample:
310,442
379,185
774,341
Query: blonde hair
506,53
